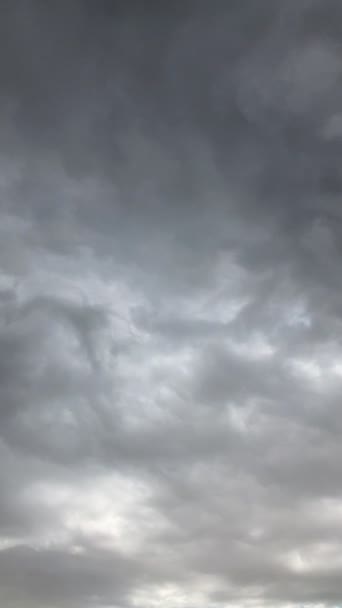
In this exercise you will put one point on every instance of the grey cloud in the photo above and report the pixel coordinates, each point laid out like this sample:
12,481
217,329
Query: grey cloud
63,579
170,317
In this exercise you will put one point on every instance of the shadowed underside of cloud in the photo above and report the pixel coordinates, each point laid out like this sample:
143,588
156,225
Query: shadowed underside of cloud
170,304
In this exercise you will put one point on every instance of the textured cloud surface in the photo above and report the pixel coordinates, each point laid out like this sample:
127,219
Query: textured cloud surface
170,304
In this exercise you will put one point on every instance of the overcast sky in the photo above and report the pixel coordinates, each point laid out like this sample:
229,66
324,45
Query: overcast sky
170,304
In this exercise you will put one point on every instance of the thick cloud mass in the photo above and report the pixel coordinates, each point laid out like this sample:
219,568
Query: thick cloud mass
170,304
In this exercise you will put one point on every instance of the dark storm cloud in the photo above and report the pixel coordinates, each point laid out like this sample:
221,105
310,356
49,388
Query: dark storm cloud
170,303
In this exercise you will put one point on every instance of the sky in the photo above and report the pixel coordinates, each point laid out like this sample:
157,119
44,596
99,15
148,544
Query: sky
170,304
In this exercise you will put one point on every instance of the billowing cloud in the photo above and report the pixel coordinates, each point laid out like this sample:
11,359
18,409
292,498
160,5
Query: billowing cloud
170,304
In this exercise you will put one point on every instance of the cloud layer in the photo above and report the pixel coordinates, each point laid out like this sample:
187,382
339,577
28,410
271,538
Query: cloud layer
170,304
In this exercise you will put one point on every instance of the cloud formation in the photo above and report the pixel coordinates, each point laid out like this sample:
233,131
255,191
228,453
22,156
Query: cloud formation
170,304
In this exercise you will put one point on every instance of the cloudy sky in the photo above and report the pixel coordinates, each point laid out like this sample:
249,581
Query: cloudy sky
170,304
